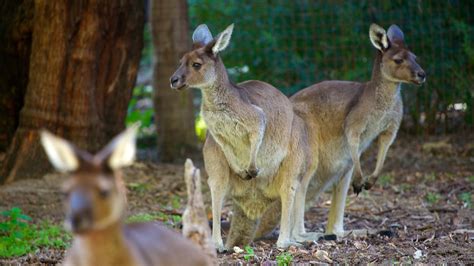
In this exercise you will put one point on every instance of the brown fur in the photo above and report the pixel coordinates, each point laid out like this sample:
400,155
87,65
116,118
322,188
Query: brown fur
345,117
256,149
95,204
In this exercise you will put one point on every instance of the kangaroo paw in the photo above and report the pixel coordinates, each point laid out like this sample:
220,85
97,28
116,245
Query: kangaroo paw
368,185
252,172
357,188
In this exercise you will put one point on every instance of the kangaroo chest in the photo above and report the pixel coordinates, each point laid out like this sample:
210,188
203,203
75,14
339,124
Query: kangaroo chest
229,132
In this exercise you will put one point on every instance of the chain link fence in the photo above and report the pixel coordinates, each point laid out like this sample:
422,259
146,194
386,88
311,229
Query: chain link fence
293,44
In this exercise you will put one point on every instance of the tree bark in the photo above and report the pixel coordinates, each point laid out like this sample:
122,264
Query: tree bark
174,111
83,64
16,25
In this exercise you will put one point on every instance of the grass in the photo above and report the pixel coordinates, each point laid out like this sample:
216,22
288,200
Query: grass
431,177
385,180
284,259
18,236
167,219
141,188
466,198
432,197
249,253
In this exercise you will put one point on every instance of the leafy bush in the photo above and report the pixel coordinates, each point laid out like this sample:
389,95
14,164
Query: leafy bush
19,237
249,253
284,259
293,44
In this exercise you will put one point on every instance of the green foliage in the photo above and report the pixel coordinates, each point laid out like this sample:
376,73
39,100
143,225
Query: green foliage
143,217
170,220
432,197
430,177
385,180
471,178
175,202
295,44
284,259
249,253
176,219
466,198
18,236
141,188
136,113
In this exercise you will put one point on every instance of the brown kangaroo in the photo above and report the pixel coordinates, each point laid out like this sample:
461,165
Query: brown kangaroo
345,117
256,149
95,204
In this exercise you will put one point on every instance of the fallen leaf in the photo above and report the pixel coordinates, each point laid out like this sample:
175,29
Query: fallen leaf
238,250
322,255
418,254
360,245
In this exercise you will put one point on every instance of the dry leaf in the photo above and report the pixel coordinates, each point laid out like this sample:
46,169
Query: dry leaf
418,254
360,245
322,255
238,250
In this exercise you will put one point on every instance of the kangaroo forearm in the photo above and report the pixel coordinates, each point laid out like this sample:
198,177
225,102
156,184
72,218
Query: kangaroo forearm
256,135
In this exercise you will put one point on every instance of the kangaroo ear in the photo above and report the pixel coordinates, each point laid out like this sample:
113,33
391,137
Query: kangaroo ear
60,152
395,34
120,152
223,40
378,37
202,35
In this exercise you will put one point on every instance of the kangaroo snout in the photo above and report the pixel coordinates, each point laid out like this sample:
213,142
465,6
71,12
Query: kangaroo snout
177,82
174,81
79,218
421,76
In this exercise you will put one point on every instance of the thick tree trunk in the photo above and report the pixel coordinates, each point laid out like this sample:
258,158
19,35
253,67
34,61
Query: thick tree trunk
174,110
83,64
16,26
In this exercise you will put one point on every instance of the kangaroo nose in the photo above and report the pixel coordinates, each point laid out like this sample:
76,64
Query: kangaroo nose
174,80
81,221
421,75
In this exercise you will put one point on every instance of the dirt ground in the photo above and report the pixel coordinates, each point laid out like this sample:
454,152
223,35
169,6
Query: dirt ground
418,199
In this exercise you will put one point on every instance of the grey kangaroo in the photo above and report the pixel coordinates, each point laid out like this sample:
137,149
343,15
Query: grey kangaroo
345,117
256,149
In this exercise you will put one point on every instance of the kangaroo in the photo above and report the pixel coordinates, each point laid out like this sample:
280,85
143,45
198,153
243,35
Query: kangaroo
95,203
347,116
195,223
256,150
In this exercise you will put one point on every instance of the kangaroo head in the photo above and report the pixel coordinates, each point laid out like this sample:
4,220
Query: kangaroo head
94,196
200,67
398,64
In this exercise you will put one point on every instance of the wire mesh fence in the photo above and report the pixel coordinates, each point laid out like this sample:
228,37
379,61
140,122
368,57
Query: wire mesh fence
293,44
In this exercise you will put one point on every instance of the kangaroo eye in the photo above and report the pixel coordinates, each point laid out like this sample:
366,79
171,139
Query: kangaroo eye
197,65
398,61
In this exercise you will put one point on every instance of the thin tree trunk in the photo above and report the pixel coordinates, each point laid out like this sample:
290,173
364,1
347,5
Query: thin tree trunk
16,25
83,64
174,110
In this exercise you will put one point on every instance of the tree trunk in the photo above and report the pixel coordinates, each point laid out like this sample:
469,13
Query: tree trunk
83,64
16,25
174,110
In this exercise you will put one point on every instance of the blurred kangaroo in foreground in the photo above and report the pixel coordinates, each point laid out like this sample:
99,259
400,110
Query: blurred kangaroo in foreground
95,203
257,148
195,222
345,117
